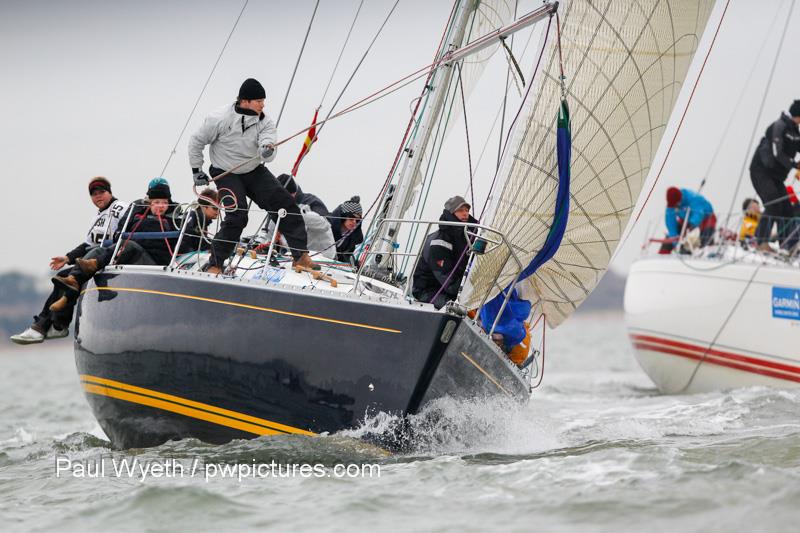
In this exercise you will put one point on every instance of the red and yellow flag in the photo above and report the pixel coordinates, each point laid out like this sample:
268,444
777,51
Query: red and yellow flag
310,139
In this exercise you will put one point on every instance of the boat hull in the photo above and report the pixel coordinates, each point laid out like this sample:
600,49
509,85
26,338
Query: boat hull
699,325
166,356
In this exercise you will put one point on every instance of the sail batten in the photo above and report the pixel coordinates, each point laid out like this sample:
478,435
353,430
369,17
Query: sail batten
625,63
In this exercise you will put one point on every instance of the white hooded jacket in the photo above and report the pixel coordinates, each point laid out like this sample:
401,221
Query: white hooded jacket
318,230
233,138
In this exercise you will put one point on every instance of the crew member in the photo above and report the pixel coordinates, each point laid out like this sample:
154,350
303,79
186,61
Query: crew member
441,267
236,135
773,160
55,324
318,229
751,215
313,201
196,236
152,214
682,203
346,225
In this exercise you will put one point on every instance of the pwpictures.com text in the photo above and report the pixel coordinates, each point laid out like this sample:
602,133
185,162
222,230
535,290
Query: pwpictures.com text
143,469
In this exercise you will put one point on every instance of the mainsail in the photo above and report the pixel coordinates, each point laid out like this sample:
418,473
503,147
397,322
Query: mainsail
625,63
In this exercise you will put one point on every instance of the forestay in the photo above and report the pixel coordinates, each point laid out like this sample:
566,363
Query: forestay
625,63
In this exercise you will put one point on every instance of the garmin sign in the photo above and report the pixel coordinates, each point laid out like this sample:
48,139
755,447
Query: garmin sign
786,303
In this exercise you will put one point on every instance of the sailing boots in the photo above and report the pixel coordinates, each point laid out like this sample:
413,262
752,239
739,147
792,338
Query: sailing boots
71,289
89,267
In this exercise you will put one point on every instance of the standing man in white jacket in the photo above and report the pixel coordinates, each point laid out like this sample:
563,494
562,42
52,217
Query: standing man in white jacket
237,134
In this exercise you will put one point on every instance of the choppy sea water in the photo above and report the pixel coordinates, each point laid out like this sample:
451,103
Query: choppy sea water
597,449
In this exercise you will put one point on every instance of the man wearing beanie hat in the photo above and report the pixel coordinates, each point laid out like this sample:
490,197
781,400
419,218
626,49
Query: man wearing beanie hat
682,203
772,162
237,135
445,254
346,226
55,324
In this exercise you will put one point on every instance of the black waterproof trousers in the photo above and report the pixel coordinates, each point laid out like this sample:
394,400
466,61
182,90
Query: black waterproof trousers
261,186
777,207
46,317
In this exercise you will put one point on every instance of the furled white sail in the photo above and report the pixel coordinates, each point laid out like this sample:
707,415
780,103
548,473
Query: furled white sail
625,63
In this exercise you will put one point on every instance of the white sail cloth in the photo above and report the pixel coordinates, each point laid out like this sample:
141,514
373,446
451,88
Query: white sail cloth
625,63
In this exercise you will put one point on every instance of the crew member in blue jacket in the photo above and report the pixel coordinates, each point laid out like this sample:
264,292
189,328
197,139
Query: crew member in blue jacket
682,203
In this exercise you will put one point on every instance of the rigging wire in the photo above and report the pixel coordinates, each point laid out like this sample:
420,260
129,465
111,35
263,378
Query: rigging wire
297,64
411,120
735,112
761,109
505,97
358,66
466,131
203,90
341,53
721,328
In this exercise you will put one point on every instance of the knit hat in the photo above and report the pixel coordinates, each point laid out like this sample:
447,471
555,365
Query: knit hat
794,109
674,196
288,183
158,188
352,208
99,183
251,90
454,203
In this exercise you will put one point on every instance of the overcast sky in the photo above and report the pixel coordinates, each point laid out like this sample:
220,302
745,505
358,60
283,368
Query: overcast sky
104,87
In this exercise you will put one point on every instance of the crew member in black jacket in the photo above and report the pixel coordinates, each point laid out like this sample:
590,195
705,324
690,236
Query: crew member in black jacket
197,222
55,324
346,227
152,214
444,257
773,160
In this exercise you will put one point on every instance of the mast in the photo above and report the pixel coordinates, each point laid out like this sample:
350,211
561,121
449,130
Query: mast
454,50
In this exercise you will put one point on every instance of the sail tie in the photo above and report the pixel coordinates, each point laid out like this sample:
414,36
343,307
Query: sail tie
506,302
513,60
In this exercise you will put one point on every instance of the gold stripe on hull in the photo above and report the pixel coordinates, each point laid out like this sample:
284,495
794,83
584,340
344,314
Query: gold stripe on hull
175,404
485,373
245,306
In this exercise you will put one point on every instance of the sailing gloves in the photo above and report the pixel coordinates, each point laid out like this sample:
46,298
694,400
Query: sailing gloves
200,177
266,151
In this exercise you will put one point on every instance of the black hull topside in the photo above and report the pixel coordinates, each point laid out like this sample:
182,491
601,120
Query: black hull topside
166,356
